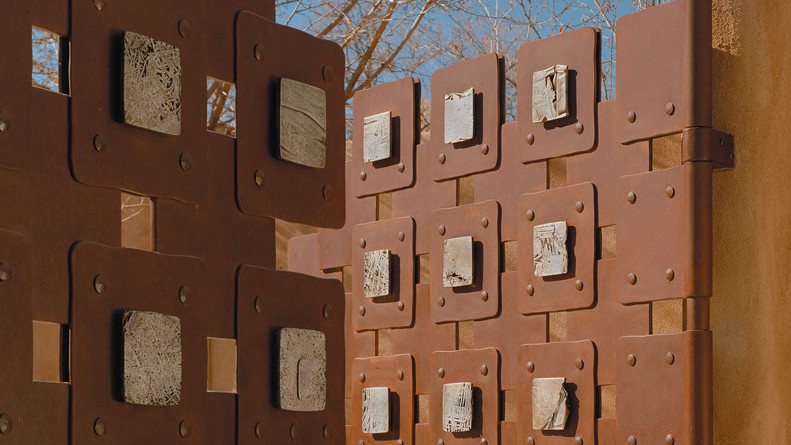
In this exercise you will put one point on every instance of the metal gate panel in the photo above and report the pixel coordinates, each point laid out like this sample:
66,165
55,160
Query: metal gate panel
358,344
15,68
221,40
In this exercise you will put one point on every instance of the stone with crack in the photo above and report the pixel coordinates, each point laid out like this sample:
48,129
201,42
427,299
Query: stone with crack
457,407
376,273
550,404
550,255
303,124
376,410
550,94
457,262
459,116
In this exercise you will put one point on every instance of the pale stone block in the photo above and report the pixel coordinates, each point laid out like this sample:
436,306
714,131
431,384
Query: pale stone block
303,124
459,116
376,410
302,366
550,255
457,407
152,358
376,137
550,94
457,262
550,404
152,84
376,276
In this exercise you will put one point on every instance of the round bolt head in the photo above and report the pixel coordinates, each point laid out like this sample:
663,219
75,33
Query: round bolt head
400,442
400,374
484,441
670,109
531,441
328,312
670,274
99,428
579,206
631,360
441,301
485,149
578,285
441,158
293,431
441,372
401,167
5,272
440,442
401,236
484,296
327,73
363,176
184,294
441,229
531,139
530,290
362,243
98,284
579,363
362,311
579,128
184,428
362,377
258,52
326,431
531,367
631,278
361,442
328,192
670,191
631,117
258,177
484,222
578,440
98,4
185,162
400,305
3,126
484,369
670,358
631,198
259,430
99,143
531,215
184,27
5,424
258,305
670,440
631,440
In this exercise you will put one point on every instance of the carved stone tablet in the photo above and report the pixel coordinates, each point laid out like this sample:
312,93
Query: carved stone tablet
550,94
152,358
303,124
550,255
376,137
457,407
457,270
302,369
376,410
459,116
376,279
550,404
152,84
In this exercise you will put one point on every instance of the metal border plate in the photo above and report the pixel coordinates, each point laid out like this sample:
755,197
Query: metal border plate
221,41
15,69
384,372
401,98
286,299
579,49
288,191
482,299
358,344
576,361
562,292
397,309
303,257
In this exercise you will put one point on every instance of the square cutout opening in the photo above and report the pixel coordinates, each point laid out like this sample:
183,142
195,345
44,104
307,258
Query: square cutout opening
50,352
221,106
137,222
48,54
221,368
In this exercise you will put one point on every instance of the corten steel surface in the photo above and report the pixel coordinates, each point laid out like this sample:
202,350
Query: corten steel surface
485,75
481,299
107,281
402,99
576,362
303,257
15,69
221,38
605,431
358,344
664,389
704,144
395,373
397,308
266,185
267,301
481,368
508,433
575,289
579,50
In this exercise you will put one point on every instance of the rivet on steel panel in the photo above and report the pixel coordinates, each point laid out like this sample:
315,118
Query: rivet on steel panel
670,440
184,294
631,278
579,206
258,52
5,272
400,374
258,305
530,290
185,162
362,311
98,4
484,441
326,431
579,128
484,296
441,301
578,285
98,143
631,117
258,177
327,73
484,369
5,424
631,198
441,372
363,176
3,126
400,442
259,430
440,442
293,430
631,360
362,243
631,440
531,441
401,167
441,229
670,358
184,429
531,139
485,149
99,428
670,109
98,284
362,377
670,274
328,192
184,27
531,215
401,236
670,191
578,440
484,222
579,363
441,158
400,305
328,312
531,367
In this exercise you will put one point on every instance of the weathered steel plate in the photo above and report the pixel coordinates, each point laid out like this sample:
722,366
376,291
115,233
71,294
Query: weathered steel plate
579,50
664,388
485,75
481,299
266,185
401,98
576,362
15,68
508,433
577,288
303,257
221,40
358,344
269,300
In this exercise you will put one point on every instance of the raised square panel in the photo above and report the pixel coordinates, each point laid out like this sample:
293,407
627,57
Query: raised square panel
376,137
302,363
550,94
376,410
382,400
550,256
376,273
458,262
457,407
303,124
459,116
152,358
550,404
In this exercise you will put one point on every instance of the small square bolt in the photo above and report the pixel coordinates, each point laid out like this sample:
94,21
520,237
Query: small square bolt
459,116
376,137
302,369
152,358
376,410
303,124
550,404
550,94
457,407
550,255
376,275
458,262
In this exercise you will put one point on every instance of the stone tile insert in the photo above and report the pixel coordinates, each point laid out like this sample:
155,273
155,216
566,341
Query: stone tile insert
550,94
152,358
550,404
303,124
459,117
550,255
376,137
152,84
457,407
376,410
458,262
377,273
302,366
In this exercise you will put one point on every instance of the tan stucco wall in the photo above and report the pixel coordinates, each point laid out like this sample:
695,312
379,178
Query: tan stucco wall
751,309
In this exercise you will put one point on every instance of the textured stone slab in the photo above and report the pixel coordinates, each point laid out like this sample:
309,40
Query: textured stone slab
550,404
152,358
376,410
303,124
457,407
376,273
459,117
302,369
457,269
152,84
550,94
376,137
550,255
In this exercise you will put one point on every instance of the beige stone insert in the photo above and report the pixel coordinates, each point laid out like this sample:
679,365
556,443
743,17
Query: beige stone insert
550,255
376,410
302,364
152,358
376,274
376,137
457,407
550,94
303,124
458,262
550,404
459,116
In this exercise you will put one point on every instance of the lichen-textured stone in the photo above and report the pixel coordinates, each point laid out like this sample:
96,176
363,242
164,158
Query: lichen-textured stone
152,84
457,407
303,124
302,358
550,94
376,137
550,404
459,116
152,358
376,276
457,263
550,255
376,410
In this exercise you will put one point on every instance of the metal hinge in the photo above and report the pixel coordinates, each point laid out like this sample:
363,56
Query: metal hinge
705,144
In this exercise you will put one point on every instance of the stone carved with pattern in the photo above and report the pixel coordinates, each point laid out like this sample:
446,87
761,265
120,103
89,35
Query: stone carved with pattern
152,358
376,137
302,370
377,273
550,255
457,407
550,94
458,262
459,116
550,404
376,410
303,124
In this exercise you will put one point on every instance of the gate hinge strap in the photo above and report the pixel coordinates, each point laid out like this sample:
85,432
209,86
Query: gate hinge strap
708,145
